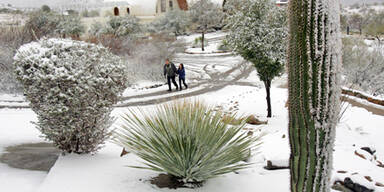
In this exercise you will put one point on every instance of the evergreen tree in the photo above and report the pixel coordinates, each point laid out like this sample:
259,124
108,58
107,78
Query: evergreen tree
258,33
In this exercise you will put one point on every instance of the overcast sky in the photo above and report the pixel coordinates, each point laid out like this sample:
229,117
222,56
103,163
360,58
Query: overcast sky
38,3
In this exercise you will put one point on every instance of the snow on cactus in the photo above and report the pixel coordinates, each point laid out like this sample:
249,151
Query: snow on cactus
314,66
71,86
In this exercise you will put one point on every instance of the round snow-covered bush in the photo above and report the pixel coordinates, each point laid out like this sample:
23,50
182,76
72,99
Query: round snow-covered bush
71,86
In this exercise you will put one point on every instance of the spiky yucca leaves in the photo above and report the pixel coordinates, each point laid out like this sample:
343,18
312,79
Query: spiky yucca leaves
185,139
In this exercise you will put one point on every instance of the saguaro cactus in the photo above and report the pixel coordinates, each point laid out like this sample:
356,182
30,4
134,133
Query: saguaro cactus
314,60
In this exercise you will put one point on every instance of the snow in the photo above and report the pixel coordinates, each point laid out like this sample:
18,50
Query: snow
16,129
113,175
210,48
163,88
359,128
276,148
364,94
365,102
107,171
376,8
209,36
11,97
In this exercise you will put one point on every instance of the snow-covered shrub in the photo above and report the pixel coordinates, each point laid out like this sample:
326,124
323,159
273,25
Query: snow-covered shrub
187,140
118,26
96,29
42,23
8,82
70,26
363,66
198,42
223,46
51,24
175,21
92,13
120,46
10,39
71,86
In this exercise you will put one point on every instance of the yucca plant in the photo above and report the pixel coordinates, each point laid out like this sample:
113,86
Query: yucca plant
187,140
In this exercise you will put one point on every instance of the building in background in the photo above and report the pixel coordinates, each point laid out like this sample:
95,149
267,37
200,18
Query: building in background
282,2
146,10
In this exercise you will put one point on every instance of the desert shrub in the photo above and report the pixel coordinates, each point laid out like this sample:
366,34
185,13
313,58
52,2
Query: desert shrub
176,22
41,23
223,46
96,29
186,139
92,13
70,26
8,82
197,42
72,12
121,46
11,38
45,8
51,24
117,26
71,86
363,66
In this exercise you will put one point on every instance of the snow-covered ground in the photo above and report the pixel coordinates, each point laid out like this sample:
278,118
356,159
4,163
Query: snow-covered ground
107,171
214,41
377,8
15,129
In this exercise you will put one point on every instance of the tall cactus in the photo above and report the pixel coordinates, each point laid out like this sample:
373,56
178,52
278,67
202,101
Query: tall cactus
314,61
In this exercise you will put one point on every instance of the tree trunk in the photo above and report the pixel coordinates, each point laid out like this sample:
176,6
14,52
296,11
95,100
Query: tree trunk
267,85
314,65
202,41
347,30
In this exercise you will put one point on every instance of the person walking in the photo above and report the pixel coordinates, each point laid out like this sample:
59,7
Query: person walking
181,72
170,73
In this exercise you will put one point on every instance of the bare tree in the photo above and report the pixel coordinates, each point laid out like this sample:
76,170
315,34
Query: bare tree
206,15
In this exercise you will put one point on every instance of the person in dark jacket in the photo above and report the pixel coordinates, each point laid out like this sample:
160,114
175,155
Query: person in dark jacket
170,73
181,72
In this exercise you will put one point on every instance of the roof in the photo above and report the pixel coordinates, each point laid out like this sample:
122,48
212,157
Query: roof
282,2
183,4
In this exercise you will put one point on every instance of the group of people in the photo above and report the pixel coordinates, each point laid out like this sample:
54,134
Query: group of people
170,72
